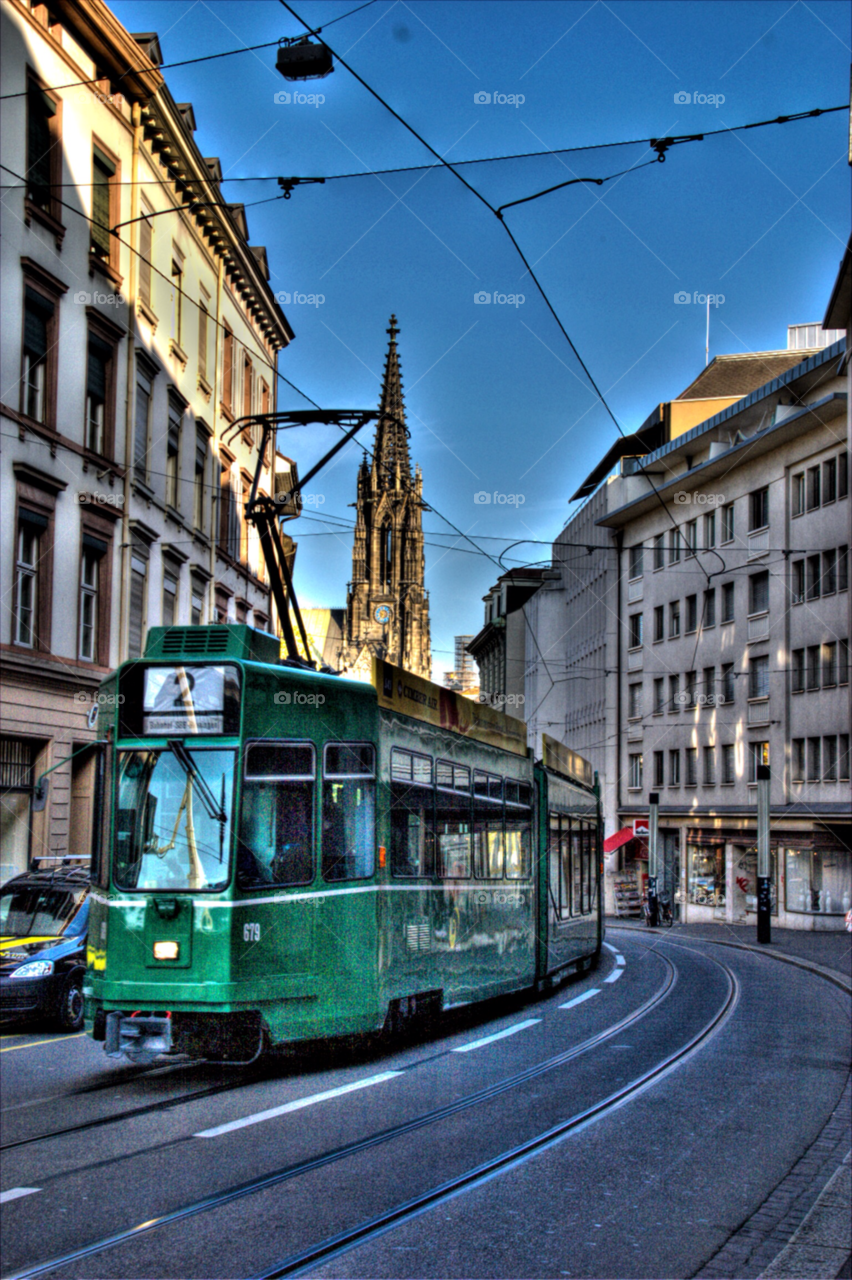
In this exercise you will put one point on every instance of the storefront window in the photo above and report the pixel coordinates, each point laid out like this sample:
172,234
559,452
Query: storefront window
819,881
744,887
706,875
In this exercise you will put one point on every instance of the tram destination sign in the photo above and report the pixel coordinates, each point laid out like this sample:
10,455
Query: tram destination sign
410,695
185,700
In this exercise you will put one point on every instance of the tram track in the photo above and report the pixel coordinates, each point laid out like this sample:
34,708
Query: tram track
349,1150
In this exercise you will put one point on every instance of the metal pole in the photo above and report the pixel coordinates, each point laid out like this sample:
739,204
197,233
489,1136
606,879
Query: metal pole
653,823
764,882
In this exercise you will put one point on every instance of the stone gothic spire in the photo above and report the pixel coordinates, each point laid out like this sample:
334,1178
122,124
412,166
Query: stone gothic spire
387,608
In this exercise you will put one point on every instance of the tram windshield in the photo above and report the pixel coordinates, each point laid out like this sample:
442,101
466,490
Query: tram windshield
173,818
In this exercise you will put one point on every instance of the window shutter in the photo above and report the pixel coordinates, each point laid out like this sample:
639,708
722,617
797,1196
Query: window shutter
37,312
98,356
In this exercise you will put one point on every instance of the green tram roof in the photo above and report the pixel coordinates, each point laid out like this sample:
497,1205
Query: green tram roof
218,640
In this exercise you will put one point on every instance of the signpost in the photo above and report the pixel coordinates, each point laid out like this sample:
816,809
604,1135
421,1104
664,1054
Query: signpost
653,821
764,881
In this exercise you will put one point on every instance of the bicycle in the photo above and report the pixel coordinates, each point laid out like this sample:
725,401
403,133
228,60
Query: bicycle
665,915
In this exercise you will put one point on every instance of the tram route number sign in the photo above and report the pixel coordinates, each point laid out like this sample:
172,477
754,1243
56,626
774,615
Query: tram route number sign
183,700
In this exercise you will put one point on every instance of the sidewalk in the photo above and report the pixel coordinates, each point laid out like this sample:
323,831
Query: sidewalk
828,950
802,1230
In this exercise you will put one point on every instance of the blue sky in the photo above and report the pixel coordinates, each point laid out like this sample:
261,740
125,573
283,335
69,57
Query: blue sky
496,401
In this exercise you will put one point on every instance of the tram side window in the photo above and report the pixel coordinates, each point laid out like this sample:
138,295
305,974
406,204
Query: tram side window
576,867
452,819
592,853
277,820
348,811
487,826
412,814
518,830
587,869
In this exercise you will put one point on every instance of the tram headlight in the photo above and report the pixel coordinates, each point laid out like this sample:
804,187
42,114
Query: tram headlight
166,950
35,969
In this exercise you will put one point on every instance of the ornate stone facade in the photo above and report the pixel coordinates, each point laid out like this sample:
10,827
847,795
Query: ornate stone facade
387,608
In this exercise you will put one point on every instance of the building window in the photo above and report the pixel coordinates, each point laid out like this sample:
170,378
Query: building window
228,371
674,547
710,530
38,363
659,623
248,389
634,701
104,197
634,625
44,153
729,774
659,552
203,316
177,296
170,595
709,766
829,665
727,516
813,488
709,608
813,666
674,768
659,769
813,759
691,754
813,574
797,581
635,555
797,487
229,516
829,572
222,598
98,360
635,772
674,619
798,671
146,247
842,568
144,389
138,597
758,509
758,593
196,601
709,682
843,662
242,522
173,453
659,696
691,690
199,487
728,601
843,757
691,613
728,683
829,481
797,760
843,475
674,688
758,677
88,638
829,759
691,537
30,530
758,754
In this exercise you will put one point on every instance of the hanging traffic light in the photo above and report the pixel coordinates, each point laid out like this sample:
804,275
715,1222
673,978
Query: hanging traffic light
300,59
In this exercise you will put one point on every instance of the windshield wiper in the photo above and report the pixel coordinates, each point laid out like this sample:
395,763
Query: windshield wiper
214,808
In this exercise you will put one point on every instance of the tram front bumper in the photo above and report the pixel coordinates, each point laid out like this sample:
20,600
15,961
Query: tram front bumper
139,1039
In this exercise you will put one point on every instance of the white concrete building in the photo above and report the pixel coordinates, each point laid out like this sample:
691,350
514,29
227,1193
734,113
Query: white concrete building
138,326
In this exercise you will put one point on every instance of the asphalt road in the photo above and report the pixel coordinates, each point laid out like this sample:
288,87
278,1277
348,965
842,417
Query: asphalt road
666,1158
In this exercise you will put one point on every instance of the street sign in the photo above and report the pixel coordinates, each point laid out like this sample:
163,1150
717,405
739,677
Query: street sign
641,827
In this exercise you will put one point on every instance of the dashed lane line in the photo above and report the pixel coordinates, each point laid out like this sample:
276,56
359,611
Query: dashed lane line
15,1193
587,995
498,1035
297,1105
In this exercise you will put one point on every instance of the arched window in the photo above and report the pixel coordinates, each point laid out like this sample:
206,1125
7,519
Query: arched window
387,554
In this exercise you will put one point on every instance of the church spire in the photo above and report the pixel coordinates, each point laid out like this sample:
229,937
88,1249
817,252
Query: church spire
391,455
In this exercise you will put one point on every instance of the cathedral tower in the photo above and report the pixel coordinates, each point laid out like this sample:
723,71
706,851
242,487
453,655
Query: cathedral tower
387,608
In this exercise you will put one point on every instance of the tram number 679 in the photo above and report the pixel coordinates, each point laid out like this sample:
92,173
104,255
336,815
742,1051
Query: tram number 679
251,932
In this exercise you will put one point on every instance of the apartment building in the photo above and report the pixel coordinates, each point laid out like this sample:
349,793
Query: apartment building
499,649
733,608
139,328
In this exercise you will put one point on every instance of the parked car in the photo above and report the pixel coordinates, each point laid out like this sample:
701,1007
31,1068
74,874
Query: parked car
43,920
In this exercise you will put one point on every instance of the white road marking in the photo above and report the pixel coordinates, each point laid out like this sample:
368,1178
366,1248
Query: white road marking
620,960
498,1035
611,948
614,976
259,1116
15,1193
587,995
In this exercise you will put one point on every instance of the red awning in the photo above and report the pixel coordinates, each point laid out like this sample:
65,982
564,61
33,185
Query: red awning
621,837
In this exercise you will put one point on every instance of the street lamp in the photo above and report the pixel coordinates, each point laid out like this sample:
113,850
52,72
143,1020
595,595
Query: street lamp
299,59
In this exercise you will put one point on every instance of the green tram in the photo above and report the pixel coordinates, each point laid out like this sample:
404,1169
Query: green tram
286,855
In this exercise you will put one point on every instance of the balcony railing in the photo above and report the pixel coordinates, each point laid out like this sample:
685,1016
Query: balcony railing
758,626
634,590
758,711
758,543
634,659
